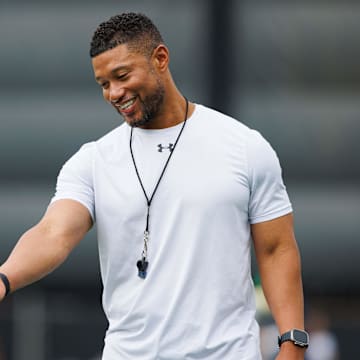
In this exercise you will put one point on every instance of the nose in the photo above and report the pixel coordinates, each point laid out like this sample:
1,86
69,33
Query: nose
116,93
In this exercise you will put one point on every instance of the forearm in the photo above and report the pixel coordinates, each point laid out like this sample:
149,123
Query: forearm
45,246
37,253
282,285
278,260
281,280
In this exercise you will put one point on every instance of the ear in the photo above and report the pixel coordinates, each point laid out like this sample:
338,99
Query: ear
161,58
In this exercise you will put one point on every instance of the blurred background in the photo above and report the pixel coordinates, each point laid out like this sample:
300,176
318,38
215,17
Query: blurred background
289,69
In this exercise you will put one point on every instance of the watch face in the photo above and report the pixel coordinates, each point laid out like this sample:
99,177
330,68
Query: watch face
300,336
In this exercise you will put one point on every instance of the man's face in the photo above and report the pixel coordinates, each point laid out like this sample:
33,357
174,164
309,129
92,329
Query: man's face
130,83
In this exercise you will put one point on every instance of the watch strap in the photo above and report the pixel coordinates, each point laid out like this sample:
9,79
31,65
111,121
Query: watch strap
285,337
6,283
293,336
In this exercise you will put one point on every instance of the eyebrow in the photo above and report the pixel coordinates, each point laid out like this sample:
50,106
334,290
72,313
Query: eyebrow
113,71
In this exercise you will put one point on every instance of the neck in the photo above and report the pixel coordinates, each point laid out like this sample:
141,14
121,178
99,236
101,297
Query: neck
172,112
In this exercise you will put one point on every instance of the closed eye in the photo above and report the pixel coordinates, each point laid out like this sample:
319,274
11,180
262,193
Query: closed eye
122,76
104,85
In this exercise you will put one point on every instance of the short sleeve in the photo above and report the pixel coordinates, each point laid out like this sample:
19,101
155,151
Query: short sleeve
75,179
268,195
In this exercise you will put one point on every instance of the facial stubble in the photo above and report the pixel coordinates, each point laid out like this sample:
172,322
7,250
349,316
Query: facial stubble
151,106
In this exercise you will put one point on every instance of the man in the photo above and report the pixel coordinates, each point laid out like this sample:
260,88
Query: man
178,191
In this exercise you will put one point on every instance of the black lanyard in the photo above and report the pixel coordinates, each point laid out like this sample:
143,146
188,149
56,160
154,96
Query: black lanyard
142,264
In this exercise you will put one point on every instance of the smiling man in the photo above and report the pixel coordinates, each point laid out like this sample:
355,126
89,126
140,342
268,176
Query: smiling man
179,192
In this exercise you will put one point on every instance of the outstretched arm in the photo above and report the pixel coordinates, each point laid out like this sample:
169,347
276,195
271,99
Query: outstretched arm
46,245
280,270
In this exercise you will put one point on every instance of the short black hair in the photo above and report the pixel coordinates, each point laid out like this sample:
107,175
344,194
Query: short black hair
133,29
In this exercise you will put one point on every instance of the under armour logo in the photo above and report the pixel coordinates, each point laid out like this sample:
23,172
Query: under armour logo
170,147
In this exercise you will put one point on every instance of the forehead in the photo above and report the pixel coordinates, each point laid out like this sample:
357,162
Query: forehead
118,57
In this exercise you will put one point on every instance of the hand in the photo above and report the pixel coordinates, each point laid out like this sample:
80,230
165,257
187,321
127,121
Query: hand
289,351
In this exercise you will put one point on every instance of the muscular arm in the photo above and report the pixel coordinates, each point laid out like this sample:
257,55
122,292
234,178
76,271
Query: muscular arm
280,270
46,245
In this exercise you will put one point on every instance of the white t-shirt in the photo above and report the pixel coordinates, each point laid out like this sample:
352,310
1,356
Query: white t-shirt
197,301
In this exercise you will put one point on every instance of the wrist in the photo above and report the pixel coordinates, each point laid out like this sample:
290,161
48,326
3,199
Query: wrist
290,351
2,291
5,286
296,337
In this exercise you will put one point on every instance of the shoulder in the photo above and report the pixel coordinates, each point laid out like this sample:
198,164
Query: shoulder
110,144
263,162
257,144
230,130
105,144
215,119
113,136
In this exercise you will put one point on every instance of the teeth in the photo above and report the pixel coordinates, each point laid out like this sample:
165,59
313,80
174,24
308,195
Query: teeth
127,104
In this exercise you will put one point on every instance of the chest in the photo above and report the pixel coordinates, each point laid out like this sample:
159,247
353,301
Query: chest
201,173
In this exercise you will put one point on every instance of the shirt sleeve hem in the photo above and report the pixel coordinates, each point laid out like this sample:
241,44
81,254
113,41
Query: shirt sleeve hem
87,206
272,215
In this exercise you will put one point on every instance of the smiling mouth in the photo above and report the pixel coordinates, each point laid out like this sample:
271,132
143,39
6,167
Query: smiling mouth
125,105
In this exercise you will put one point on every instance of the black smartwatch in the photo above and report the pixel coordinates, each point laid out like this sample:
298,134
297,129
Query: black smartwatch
298,337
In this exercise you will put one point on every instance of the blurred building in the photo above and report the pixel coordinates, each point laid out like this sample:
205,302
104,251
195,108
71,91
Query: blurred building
289,69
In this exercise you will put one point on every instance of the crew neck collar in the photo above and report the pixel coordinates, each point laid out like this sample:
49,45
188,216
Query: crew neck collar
166,130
